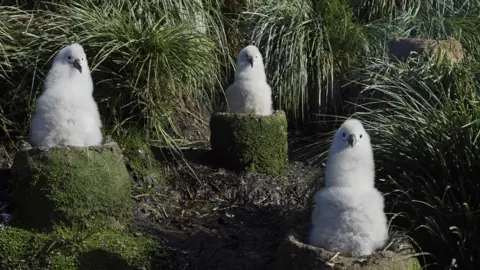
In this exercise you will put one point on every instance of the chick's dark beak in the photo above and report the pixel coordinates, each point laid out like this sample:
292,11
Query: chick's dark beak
250,60
352,140
76,64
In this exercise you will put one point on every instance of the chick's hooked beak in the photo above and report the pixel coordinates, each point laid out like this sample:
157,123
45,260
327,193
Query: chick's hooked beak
352,140
250,60
76,64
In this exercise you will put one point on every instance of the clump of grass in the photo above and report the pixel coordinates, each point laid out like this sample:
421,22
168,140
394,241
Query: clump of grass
236,34
305,45
371,10
151,60
445,19
149,57
310,47
425,131
11,57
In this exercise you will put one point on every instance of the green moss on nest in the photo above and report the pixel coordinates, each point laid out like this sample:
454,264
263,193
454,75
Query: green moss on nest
140,160
75,249
71,185
292,254
16,246
250,142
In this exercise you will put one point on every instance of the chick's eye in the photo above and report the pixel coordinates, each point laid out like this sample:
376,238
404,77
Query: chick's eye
343,134
82,58
361,135
69,57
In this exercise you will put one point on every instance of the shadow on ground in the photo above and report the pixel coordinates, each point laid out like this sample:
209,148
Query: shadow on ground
219,219
101,259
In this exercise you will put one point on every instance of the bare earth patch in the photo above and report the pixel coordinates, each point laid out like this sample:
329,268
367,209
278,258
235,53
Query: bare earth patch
222,220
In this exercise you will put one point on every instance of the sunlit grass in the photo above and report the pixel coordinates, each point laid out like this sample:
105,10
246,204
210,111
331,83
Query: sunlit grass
149,59
425,130
310,47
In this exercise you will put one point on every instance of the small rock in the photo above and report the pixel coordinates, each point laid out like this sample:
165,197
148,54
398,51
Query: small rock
5,219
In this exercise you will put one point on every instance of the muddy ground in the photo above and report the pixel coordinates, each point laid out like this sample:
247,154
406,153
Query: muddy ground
207,217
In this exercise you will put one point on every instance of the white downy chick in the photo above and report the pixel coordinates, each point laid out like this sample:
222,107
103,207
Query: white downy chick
66,113
250,93
349,216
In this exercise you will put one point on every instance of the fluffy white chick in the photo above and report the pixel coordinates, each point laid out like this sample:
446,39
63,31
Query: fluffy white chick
66,113
349,216
250,93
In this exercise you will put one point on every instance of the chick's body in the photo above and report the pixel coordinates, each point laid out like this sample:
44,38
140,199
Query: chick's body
66,113
349,211
250,93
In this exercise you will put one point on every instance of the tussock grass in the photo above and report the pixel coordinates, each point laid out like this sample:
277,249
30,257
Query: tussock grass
13,69
423,119
159,66
311,47
305,45
155,63
425,130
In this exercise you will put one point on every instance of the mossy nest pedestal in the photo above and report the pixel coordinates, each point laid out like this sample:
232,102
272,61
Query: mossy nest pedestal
443,50
71,185
294,254
247,142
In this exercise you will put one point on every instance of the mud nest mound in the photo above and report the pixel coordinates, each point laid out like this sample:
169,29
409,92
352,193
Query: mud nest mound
294,254
71,185
442,50
247,142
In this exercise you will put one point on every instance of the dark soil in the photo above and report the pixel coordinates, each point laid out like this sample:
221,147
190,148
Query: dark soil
5,192
210,218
